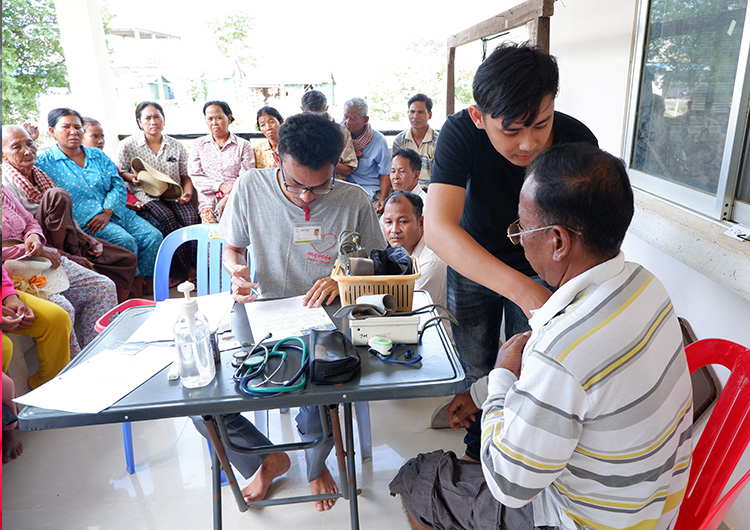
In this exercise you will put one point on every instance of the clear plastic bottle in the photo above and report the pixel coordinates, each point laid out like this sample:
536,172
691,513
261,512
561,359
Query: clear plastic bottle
193,340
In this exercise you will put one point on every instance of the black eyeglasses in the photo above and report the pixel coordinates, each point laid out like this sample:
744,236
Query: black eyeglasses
323,189
515,231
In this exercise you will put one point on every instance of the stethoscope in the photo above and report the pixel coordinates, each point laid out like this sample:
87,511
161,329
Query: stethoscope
255,364
410,358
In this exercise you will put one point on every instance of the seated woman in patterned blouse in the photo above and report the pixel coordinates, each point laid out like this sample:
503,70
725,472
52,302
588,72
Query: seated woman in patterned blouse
97,191
268,122
167,155
90,294
216,160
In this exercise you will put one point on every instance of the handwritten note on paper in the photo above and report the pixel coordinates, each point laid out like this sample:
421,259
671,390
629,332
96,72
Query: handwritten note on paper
101,381
739,232
285,318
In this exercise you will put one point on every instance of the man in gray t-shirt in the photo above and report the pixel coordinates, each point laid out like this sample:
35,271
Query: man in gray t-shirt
291,218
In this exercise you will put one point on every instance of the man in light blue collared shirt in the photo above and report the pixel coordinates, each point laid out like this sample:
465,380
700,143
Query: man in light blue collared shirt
374,159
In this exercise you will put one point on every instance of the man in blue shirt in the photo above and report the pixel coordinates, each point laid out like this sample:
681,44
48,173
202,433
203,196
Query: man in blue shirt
374,159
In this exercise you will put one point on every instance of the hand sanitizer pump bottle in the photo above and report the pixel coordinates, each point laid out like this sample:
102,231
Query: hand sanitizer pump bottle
193,341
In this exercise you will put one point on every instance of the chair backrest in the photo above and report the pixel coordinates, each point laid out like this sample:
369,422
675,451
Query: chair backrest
211,276
726,434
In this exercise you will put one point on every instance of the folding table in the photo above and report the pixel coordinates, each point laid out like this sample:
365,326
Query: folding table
440,374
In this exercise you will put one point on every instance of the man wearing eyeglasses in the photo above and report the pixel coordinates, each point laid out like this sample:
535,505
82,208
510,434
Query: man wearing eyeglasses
291,218
480,163
586,419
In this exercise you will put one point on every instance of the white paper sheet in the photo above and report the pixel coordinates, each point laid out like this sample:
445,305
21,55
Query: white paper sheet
738,232
285,318
103,380
160,324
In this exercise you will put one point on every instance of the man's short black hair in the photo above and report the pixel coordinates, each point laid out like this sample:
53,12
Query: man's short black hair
312,140
513,81
413,198
420,97
415,161
579,186
314,101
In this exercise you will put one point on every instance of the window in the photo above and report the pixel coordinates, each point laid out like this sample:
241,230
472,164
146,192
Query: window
688,120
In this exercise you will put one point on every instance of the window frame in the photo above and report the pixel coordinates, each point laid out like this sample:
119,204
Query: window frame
724,206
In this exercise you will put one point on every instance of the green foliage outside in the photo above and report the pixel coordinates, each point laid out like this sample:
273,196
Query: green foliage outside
33,60
420,68
233,37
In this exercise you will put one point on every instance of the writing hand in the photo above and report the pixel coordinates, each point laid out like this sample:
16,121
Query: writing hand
243,290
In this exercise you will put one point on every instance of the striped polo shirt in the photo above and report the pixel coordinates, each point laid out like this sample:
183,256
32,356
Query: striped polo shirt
596,433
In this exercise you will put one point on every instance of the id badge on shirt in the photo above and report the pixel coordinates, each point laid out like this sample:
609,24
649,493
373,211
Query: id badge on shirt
307,233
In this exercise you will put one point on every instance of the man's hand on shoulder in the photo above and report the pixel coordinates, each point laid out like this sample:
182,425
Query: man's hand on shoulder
532,296
325,287
510,354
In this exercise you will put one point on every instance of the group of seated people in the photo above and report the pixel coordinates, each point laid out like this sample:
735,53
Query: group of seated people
102,223
581,419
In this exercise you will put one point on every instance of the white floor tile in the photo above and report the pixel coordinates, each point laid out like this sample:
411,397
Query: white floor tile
76,478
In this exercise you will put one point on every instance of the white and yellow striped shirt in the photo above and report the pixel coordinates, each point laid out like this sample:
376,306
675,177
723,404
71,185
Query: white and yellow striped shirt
597,431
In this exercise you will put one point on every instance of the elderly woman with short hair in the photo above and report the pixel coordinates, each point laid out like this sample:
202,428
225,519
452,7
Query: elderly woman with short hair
268,122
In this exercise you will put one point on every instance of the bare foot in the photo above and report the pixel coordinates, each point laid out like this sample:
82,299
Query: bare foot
12,447
469,459
274,465
321,485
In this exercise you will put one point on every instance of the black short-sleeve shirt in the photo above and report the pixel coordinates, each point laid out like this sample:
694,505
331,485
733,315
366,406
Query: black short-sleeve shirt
465,157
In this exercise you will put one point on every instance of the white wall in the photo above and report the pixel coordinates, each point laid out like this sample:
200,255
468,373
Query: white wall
593,40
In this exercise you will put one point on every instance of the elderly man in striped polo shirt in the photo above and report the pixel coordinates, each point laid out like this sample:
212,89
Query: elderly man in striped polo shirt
586,419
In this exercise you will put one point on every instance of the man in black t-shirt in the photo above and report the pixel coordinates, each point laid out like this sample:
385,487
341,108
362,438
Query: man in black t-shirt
479,167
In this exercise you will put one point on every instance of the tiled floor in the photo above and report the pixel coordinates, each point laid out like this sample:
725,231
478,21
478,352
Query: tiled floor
76,479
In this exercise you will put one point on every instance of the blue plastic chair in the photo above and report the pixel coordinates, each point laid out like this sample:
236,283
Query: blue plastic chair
211,278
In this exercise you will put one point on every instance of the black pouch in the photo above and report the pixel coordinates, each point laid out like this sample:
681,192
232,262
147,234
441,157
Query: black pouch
334,358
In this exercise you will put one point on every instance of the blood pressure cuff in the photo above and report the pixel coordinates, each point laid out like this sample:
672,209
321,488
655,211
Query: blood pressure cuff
334,358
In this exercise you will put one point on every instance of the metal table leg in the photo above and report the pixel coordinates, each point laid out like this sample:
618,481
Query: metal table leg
219,460
351,470
216,483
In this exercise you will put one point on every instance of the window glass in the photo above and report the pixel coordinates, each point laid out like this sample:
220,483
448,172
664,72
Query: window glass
691,57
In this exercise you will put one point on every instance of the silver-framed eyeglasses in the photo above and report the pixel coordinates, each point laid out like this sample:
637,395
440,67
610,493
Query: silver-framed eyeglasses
515,231
323,189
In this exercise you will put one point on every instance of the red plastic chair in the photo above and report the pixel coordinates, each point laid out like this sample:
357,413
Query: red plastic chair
107,317
716,516
724,439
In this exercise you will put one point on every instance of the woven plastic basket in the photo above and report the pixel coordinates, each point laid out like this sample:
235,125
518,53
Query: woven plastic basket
352,287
